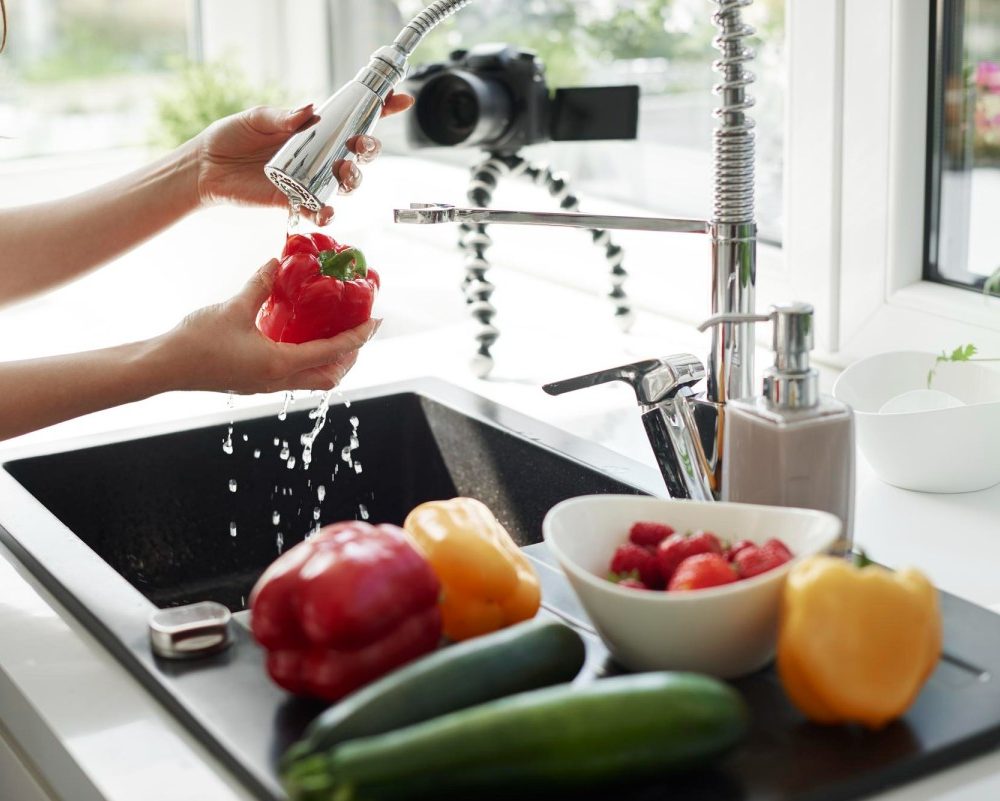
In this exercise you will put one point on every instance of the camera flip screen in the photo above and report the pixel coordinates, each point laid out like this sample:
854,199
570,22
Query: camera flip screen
600,112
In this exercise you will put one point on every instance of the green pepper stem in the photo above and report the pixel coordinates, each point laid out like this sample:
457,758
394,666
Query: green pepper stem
861,559
346,265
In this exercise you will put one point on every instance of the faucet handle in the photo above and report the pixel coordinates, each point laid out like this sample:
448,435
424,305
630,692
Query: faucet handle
653,380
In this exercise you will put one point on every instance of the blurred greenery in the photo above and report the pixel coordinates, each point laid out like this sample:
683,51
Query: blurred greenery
199,94
571,36
90,42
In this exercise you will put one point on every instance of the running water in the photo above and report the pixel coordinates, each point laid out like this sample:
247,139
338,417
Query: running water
308,440
289,399
294,218
232,485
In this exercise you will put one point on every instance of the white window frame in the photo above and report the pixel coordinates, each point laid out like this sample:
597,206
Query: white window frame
857,168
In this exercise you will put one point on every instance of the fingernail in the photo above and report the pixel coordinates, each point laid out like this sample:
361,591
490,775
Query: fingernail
377,326
300,109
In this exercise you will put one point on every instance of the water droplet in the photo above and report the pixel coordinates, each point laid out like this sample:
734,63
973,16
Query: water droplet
256,453
347,404
354,422
357,468
275,517
280,541
227,443
285,453
284,408
232,529
330,447
291,462
276,442
320,493
232,485
363,511
316,513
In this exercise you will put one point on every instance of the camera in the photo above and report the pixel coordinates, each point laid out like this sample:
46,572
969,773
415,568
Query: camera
495,97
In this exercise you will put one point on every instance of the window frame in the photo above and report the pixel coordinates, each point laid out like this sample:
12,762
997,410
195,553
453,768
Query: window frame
853,243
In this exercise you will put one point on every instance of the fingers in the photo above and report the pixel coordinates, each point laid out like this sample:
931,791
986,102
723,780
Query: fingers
256,290
298,117
348,176
267,120
322,217
367,148
396,103
321,352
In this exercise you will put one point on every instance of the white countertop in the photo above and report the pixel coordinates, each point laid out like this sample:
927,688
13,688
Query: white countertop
93,733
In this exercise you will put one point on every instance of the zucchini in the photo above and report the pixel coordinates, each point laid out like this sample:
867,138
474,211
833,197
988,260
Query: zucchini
558,738
527,656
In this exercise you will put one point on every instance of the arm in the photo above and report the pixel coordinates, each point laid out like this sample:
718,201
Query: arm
216,348
222,164
86,230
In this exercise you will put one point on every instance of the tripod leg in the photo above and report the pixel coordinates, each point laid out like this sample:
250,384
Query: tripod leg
475,241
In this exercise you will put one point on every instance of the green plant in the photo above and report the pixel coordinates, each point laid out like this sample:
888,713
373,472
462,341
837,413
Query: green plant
202,93
963,353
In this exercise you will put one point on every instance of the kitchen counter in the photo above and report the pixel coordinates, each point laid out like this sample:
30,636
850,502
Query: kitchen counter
82,728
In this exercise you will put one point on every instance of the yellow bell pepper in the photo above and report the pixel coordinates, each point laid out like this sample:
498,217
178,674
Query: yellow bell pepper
486,582
856,644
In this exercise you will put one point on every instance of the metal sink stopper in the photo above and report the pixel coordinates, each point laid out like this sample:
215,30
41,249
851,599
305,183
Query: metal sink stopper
191,631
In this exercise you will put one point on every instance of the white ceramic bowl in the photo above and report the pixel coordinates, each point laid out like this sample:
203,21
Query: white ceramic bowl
941,450
725,631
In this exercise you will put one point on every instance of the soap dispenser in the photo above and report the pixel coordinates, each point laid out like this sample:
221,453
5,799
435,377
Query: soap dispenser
792,446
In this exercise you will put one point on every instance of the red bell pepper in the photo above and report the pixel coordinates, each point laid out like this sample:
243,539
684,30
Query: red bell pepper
322,288
345,607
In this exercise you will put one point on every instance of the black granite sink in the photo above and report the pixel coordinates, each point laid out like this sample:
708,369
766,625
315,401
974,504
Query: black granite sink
198,514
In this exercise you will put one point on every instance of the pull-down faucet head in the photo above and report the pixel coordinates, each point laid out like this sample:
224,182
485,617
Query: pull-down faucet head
307,168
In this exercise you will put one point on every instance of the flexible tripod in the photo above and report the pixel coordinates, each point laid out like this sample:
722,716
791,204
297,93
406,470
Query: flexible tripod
475,241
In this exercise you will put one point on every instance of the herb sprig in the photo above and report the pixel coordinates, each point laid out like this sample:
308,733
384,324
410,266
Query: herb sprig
963,353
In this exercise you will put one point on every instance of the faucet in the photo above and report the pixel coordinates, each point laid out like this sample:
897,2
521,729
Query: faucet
685,428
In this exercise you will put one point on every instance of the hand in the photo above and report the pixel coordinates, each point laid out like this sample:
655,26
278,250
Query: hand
232,153
219,348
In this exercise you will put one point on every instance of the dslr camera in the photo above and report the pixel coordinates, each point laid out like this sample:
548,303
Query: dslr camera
495,97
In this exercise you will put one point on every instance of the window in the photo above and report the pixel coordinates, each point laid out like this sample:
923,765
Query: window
83,74
856,160
664,46
963,239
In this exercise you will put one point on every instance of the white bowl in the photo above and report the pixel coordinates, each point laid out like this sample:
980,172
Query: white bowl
941,450
725,631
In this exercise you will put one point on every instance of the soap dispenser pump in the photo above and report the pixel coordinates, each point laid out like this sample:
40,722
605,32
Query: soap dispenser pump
792,446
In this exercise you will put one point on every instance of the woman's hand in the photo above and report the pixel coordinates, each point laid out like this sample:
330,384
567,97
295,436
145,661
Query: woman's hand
220,348
232,153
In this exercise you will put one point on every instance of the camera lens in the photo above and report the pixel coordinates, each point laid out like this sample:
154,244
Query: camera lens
459,108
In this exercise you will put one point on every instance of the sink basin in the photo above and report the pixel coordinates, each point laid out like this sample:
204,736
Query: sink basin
183,520
118,525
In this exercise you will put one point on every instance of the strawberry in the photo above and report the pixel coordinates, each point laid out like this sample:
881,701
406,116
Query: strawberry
678,547
738,546
757,559
631,557
649,534
633,584
701,571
